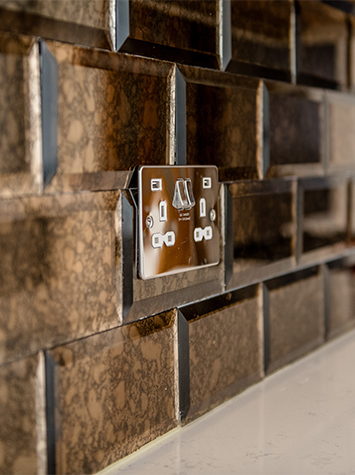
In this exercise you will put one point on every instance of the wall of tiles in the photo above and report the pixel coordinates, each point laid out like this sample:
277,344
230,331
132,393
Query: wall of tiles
94,361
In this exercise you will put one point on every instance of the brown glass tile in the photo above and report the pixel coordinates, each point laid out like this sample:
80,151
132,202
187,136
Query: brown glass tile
180,30
295,122
225,349
20,161
114,392
324,221
322,44
340,297
294,317
82,22
221,122
113,114
261,37
22,421
59,270
340,131
263,223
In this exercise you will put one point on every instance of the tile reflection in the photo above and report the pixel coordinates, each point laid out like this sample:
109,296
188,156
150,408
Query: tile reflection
324,214
263,224
340,293
261,35
221,123
174,29
295,130
294,322
323,44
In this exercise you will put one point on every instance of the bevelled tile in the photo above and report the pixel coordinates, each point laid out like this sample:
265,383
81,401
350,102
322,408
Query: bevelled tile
261,38
323,46
324,223
222,122
294,316
263,227
59,273
20,117
296,120
113,393
22,417
225,349
340,109
83,22
340,297
186,32
113,114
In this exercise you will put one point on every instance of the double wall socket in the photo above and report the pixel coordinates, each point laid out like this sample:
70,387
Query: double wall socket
178,219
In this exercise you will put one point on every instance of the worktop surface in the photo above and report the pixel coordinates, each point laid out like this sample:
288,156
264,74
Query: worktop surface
299,420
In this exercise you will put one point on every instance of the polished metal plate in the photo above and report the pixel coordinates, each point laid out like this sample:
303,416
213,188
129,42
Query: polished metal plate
178,219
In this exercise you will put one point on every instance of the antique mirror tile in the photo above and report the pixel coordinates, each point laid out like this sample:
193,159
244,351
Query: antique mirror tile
222,122
22,419
113,393
324,216
340,131
180,30
263,223
59,270
340,297
225,348
296,130
261,38
83,22
323,44
20,119
113,114
294,317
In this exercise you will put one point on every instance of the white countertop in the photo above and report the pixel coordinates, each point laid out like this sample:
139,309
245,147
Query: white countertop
300,420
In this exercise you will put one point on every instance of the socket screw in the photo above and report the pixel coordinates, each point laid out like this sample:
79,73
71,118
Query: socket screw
212,215
149,221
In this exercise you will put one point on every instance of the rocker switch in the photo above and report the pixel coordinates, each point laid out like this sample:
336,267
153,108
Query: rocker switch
189,194
179,199
202,208
183,194
163,215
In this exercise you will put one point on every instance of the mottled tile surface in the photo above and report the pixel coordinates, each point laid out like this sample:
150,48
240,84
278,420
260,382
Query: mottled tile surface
295,128
22,432
114,392
340,131
113,112
64,15
91,13
294,321
59,270
187,25
263,220
261,33
221,122
20,156
324,221
340,294
225,353
323,48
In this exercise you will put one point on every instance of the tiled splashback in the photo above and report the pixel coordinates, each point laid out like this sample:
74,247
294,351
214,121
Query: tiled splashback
94,361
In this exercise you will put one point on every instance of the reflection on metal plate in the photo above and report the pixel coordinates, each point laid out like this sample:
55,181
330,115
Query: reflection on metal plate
178,219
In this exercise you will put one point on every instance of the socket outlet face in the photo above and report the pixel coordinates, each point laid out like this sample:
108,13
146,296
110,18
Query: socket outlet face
178,221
